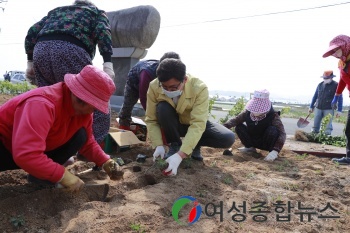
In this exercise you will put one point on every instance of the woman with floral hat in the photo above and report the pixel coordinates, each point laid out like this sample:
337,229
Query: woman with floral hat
263,128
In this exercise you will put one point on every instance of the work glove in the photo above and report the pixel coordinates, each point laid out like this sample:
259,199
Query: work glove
71,182
311,110
160,151
173,164
108,68
334,102
338,114
110,166
271,156
30,72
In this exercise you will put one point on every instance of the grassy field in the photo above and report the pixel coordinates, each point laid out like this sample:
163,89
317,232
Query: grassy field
289,110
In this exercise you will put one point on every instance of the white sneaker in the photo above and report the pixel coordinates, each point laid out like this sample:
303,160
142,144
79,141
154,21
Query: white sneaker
245,149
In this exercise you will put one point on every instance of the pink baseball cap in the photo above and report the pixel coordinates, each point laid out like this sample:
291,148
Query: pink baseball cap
260,102
331,49
93,86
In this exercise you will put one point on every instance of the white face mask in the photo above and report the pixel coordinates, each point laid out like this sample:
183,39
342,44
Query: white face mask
172,94
337,53
326,81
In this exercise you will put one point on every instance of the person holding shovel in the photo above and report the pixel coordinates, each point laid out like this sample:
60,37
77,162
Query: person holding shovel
42,128
179,105
263,128
339,47
321,102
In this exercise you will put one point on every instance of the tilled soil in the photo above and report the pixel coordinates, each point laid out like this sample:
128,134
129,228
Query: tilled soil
237,193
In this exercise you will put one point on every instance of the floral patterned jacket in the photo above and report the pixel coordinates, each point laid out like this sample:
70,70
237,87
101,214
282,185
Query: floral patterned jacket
85,23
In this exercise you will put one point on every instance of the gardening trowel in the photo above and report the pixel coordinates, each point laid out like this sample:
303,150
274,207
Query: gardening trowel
302,123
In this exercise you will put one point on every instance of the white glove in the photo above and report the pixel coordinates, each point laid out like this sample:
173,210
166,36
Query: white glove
311,110
338,114
30,71
271,156
160,151
174,162
108,68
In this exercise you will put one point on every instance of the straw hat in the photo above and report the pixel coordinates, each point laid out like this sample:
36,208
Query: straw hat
260,102
93,86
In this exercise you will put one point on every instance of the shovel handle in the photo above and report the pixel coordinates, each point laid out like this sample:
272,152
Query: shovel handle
307,116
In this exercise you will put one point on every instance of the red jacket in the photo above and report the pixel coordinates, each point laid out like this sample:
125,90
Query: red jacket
42,120
343,82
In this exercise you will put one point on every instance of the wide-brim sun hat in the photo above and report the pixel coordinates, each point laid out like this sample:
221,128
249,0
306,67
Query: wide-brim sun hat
93,86
260,103
331,49
328,74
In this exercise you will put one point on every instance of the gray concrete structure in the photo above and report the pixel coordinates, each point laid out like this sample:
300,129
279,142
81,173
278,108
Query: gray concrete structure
134,30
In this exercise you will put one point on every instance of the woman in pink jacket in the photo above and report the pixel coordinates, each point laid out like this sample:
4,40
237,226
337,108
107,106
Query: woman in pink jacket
42,128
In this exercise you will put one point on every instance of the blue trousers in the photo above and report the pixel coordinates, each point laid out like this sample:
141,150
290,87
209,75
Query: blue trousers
319,114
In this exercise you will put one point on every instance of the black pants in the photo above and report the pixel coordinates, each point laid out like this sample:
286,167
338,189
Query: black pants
266,142
215,135
59,155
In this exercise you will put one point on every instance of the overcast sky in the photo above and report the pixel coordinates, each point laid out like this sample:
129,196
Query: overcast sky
231,45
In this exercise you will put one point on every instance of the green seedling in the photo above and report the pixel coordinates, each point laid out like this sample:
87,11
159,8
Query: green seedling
161,164
227,180
137,227
337,164
251,175
17,221
290,187
213,164
202,193
187,163
301,157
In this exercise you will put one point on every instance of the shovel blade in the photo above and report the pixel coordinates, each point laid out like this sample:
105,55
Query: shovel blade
302,123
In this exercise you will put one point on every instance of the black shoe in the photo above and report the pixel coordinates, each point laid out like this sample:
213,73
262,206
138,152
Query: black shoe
343,161
34,180
196,154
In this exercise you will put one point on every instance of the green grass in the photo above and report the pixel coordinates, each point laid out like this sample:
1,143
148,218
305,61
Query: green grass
295,110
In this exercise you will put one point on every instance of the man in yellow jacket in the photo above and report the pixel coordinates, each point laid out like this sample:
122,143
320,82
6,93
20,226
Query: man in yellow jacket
178,105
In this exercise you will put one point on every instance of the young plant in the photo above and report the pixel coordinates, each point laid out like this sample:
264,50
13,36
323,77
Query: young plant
17,221
211,104
187,163
161,164
321,137
237,108
227,180
301,157
137,227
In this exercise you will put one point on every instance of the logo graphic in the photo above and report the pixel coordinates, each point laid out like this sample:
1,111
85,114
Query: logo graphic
194,214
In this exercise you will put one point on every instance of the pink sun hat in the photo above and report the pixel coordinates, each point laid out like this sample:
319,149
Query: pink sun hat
93,86
331,49
260,102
